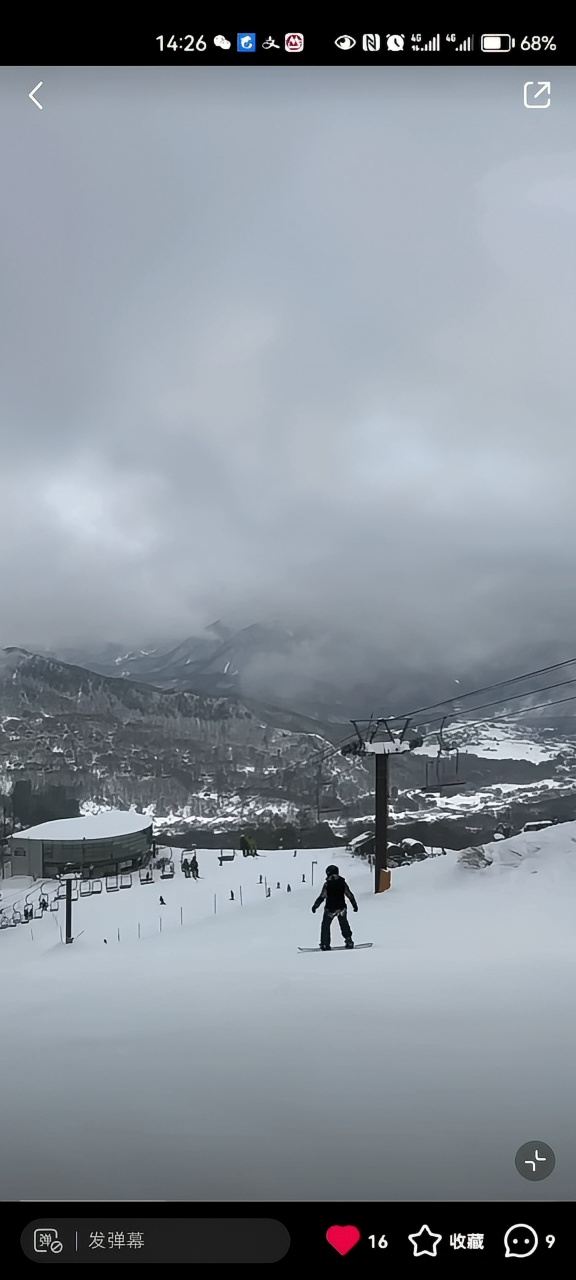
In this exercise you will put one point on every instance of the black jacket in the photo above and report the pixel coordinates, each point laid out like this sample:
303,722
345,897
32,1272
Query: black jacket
334,895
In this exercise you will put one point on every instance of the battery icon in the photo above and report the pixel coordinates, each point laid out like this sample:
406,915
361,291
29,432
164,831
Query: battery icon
497,44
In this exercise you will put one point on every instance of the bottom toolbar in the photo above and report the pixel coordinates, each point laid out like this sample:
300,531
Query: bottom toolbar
453,1235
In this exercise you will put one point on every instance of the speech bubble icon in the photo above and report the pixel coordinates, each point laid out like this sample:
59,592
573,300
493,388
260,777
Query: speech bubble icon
520,1241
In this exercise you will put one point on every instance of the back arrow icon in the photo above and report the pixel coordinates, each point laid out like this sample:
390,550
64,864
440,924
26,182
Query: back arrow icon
33,99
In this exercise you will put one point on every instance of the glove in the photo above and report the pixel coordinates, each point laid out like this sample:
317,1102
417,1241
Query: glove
355,908
313,910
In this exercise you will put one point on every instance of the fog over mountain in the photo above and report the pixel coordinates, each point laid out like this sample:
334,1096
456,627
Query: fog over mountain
278,353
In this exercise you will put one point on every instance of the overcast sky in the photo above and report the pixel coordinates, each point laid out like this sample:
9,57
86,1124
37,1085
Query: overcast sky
293,344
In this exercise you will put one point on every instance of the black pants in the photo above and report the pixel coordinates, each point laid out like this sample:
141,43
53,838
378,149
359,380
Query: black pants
327,918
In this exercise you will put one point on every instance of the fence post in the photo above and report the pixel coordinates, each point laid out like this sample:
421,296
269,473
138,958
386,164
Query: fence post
139,929
181,915
214,904
241,900
160,930
265,886
118,934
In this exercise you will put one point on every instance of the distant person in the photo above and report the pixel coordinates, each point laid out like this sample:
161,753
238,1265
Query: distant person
194,867
186,868
162,902
334,895
245,846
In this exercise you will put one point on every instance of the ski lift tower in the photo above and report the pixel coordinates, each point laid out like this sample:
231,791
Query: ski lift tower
382,751
394,744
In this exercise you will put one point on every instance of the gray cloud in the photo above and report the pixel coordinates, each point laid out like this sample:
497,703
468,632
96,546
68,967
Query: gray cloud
292,344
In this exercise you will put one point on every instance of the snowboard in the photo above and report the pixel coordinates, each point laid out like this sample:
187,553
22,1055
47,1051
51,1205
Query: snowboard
358,946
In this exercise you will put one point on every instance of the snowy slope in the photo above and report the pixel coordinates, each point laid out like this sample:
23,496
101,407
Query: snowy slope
550,852
211,1060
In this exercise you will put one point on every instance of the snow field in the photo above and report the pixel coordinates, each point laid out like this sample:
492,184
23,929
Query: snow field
213,1061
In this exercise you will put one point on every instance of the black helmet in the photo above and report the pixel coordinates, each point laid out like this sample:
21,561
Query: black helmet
332,871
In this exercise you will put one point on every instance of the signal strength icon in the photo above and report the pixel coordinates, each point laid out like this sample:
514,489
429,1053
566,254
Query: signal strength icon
466,46
431,46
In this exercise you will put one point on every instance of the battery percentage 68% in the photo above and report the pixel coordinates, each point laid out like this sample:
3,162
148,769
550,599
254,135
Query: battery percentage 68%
539,44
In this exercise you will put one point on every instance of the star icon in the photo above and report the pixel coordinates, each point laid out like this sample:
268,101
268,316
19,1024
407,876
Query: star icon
424,1241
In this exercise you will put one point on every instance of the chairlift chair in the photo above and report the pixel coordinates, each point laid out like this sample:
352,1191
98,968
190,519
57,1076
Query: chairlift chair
96,886
167,872
85,888
145,875
112,885
54,903
439,785
125,880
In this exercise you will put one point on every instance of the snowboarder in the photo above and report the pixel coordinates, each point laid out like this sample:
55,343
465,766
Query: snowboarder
334,895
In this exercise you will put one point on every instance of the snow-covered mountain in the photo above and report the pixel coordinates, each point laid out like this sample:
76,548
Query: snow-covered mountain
117,742
331,675
322,674
205,762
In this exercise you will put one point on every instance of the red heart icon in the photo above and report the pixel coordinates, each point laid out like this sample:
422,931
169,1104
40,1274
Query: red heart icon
343,1239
